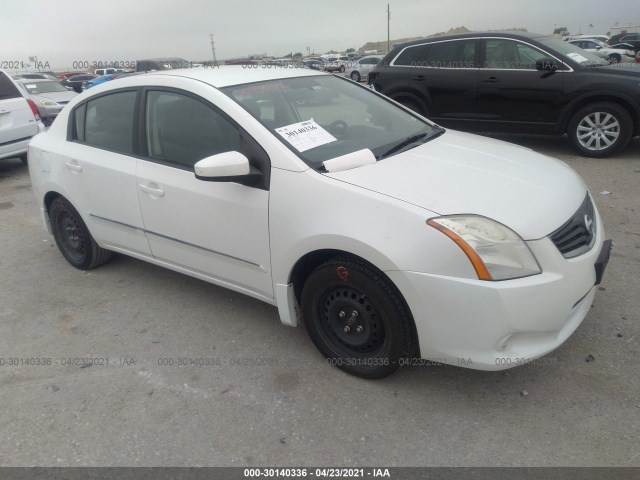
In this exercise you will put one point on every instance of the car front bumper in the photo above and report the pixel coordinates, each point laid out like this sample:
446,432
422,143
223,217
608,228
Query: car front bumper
502,324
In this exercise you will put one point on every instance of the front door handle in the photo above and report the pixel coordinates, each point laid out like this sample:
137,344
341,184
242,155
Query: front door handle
419,78
73,166
491,80
157,192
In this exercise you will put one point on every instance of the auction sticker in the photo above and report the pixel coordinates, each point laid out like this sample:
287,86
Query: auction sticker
577,57
305,135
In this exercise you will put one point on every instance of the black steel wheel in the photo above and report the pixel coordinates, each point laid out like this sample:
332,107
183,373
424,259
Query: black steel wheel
356,317
73,238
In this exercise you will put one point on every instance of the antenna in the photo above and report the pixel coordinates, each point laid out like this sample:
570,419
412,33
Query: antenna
213,49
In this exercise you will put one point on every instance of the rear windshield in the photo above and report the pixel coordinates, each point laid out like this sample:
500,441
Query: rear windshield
7,88
36,88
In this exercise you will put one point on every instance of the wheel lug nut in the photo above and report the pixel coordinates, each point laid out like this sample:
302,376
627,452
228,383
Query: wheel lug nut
354,314
341,314
347,329
359,329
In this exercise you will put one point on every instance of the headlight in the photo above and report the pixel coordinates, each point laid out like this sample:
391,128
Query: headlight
495,251
45,102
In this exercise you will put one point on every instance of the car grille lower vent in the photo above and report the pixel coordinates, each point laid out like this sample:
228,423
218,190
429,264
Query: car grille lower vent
578,234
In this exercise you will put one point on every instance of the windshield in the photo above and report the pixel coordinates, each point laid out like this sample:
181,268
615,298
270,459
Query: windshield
37,88
575,53
324,117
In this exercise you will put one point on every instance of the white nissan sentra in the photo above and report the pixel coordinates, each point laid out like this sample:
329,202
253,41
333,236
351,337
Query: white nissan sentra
389,237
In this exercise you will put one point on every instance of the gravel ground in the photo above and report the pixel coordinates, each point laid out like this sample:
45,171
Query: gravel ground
273,400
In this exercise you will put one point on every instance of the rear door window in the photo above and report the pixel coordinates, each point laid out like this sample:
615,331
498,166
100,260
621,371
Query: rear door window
453,54
7,88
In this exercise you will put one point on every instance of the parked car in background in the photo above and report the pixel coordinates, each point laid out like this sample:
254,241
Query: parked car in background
613,55
313,64
35,75
516,82
389,237
358,70
66,75
97,81
630,38
75,82
19,119
638,57
49,96
601,38
105,71
336,64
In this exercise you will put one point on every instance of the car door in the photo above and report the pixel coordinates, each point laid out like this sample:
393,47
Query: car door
447,75
216,229
99,171
512,90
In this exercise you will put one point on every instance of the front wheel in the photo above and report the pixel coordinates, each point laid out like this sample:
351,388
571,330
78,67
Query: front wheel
355,76
357,318
600,129
342,69
73,238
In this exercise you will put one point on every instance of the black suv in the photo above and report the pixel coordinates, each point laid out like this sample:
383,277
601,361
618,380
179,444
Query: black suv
632,39
516,83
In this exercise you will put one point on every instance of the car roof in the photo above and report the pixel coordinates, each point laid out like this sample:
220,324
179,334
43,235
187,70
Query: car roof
501,33
35,80
227,75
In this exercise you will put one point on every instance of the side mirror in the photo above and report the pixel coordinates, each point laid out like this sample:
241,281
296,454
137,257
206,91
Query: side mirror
547,64
598,47
227,167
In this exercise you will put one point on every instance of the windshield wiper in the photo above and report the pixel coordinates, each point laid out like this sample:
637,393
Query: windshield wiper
410,141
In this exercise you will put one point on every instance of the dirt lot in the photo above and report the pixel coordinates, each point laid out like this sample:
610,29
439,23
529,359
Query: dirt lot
269,398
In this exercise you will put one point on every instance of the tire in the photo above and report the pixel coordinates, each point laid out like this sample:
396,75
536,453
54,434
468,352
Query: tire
600,129
73,238
342,68
355,76
357,318
23,159
614,58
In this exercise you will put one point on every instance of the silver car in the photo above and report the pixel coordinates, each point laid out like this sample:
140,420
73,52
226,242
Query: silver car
50,97
359,70
614,55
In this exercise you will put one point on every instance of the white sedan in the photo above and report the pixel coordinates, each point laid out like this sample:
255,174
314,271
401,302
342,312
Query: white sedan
390,238
601,49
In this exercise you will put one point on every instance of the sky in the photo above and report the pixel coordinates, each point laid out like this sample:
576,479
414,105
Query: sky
61,32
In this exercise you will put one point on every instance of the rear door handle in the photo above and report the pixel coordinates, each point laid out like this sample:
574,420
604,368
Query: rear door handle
491,80
158,192
73,166
419,78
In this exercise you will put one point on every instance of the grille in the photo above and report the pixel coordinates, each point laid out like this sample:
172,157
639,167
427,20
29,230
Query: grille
577,235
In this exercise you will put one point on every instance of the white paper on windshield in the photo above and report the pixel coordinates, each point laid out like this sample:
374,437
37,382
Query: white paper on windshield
351,160
30,85
305,135
577,57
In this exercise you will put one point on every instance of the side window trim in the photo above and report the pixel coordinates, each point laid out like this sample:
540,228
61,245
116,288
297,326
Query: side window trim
72,128
483,59
247,142
424,53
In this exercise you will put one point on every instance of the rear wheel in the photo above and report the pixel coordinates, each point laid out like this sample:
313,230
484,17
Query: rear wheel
615,58
342,68
73,238
600,129
357,318
355,76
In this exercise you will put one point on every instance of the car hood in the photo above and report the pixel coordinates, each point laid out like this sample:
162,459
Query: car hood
458,173
59,96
